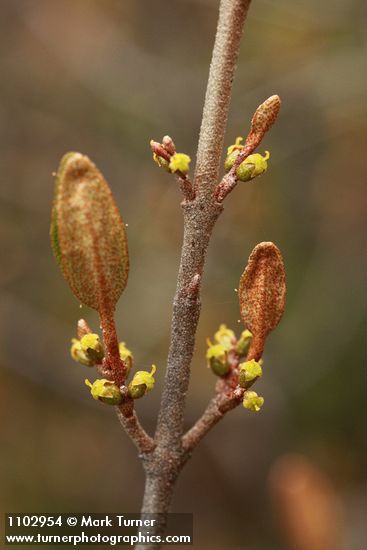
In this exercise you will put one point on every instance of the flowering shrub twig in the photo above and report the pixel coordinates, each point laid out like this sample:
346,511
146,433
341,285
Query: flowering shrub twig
90,244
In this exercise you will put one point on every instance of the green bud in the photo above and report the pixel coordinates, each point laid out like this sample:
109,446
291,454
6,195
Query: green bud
92,347
243,343
249,371
180,163
218,359
78,354
141,383
105,391
252,401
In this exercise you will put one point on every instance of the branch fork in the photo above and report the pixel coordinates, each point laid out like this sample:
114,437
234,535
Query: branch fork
82,191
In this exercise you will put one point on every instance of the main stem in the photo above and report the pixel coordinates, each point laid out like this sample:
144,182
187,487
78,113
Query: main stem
163,465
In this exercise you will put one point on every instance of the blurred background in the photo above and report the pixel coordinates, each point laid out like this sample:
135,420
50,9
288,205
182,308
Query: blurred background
103,78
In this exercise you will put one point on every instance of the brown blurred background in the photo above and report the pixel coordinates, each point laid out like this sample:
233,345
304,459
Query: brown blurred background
103,78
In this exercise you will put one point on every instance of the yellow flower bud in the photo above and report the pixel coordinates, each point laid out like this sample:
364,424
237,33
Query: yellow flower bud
252,401
254,165
141,383
249,371
237,145
126,356
162,163
105,391
244,342
92,347
232,153
225,336
180,163
78,354
230,159
217,359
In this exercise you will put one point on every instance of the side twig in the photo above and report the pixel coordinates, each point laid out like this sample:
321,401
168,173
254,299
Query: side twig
130,422
264,117
215,411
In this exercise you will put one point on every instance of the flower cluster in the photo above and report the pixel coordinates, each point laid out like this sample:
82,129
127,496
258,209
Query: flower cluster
89,351
226,357
252,166
165,155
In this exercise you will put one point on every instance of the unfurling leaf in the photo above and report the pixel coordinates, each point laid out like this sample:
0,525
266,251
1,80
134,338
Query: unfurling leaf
88,235
265,115
262,290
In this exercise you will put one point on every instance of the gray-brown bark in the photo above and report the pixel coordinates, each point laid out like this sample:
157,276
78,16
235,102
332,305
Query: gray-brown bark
164,463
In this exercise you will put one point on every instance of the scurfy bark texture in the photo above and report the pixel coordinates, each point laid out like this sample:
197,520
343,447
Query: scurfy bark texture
163,464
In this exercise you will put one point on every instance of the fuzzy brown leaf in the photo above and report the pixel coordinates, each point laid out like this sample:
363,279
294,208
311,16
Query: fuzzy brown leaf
88,235
265,115
262,290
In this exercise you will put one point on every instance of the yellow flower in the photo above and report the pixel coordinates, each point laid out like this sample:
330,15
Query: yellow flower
105,391
162,163
78,354
225,336
254,165
126,356
249,371
92,347
236,147
252,401
180,163
141,383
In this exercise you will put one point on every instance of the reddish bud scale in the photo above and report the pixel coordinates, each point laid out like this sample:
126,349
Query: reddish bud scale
83,328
